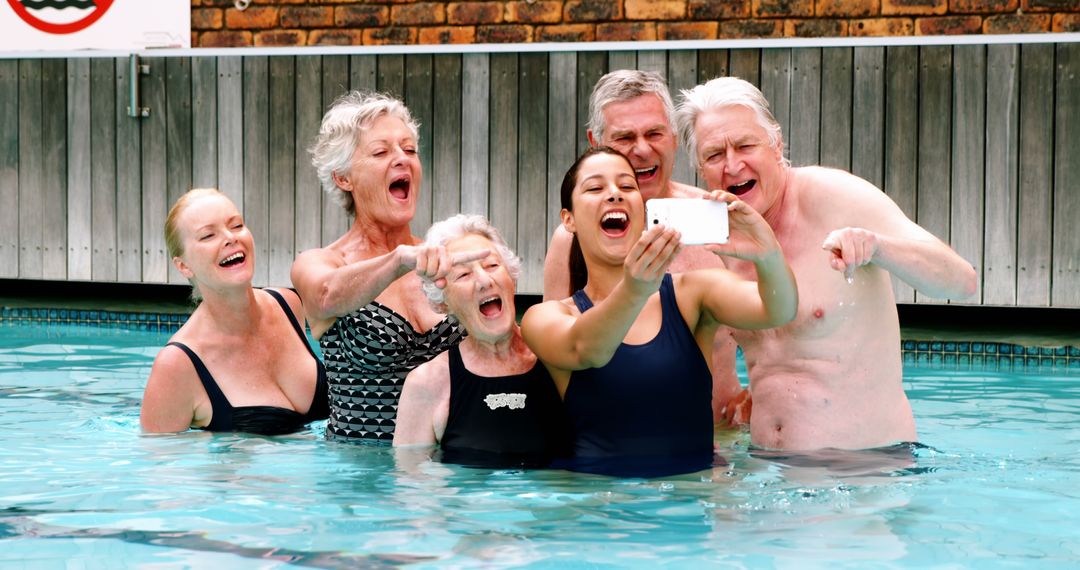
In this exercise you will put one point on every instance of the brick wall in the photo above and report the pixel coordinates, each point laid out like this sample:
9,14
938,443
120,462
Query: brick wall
217,23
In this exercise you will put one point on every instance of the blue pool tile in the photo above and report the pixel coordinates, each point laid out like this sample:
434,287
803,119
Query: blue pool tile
1032,350
922,345
1004,348
1004,361
1044,361
1074,351
909,357
1060,351
991,348
1061,363
977,360
935,346
1074,364
1046,351
976,347
908,345
963,346
922,358
964,360
950,347
950,359
935,358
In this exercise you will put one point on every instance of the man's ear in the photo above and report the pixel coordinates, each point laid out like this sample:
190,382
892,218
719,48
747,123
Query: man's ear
592,140
182,268
568,220
779,148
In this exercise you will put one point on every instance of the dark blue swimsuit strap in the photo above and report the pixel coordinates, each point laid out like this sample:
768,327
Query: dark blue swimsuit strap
218,402
584,303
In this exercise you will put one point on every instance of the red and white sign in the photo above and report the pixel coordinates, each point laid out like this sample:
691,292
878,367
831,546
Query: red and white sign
37,25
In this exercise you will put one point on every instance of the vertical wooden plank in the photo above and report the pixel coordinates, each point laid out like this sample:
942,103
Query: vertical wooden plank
230,128
1065,291
776,86
476,118
103,183
868,115
968,144
363,74
901,138
712,63
179,142
500,203
653,60
561,134
155,168
204,115
257,161
335,78
1036,175
623,59
590,68
446,138
80,236
31,170
682,74
935,132
128,181
54,175
836,107
9,167
745,64
282,170
804,134
418,94
309,192
1002,151
532,231
391,75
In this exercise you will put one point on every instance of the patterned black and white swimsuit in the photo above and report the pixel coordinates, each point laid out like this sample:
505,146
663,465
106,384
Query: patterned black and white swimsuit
367,355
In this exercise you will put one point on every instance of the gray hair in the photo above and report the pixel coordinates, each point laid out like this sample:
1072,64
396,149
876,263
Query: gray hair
716,94
623,85
340,131
462,225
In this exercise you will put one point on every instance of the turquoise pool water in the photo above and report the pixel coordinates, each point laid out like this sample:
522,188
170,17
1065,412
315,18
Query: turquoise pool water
80,487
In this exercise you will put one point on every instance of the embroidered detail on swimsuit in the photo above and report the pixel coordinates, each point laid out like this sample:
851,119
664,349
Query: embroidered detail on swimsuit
512,401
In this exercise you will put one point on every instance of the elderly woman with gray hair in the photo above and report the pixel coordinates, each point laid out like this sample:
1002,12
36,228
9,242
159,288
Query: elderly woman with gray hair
362,291
487,401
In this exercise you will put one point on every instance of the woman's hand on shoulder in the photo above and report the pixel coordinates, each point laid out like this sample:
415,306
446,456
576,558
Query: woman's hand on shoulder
168,404
750,237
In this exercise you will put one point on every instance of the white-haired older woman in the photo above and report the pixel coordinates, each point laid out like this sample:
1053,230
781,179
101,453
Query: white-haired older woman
362,291
488,400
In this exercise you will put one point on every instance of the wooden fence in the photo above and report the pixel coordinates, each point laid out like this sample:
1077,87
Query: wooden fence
980,143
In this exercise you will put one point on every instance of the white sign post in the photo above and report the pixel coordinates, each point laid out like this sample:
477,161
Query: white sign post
128,25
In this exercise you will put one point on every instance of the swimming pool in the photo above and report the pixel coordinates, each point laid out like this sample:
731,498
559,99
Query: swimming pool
81,487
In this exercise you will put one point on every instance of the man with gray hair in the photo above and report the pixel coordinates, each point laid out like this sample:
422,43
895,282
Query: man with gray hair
832,377
632,112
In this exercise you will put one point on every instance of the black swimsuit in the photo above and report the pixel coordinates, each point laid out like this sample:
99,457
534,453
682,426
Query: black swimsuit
506,421
264,420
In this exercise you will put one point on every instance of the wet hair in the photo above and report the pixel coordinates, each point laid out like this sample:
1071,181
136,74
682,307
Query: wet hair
623,85
340,131
461,225
717,94
579,273
174,244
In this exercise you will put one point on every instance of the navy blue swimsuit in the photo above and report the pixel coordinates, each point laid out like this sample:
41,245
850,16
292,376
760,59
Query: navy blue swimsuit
652,400
264,420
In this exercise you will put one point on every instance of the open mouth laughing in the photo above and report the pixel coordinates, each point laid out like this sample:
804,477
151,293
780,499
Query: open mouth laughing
742,187
401,187
646,174
615,223
491,306
233,260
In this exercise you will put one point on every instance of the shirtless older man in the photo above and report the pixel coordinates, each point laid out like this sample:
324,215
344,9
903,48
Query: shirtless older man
632,112
832,377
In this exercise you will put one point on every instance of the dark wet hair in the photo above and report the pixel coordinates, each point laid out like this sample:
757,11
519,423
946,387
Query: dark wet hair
579,273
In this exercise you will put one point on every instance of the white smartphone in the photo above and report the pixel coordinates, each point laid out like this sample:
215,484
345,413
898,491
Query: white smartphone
700,221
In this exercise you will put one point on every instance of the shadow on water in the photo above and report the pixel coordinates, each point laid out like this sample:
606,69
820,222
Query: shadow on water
16,522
